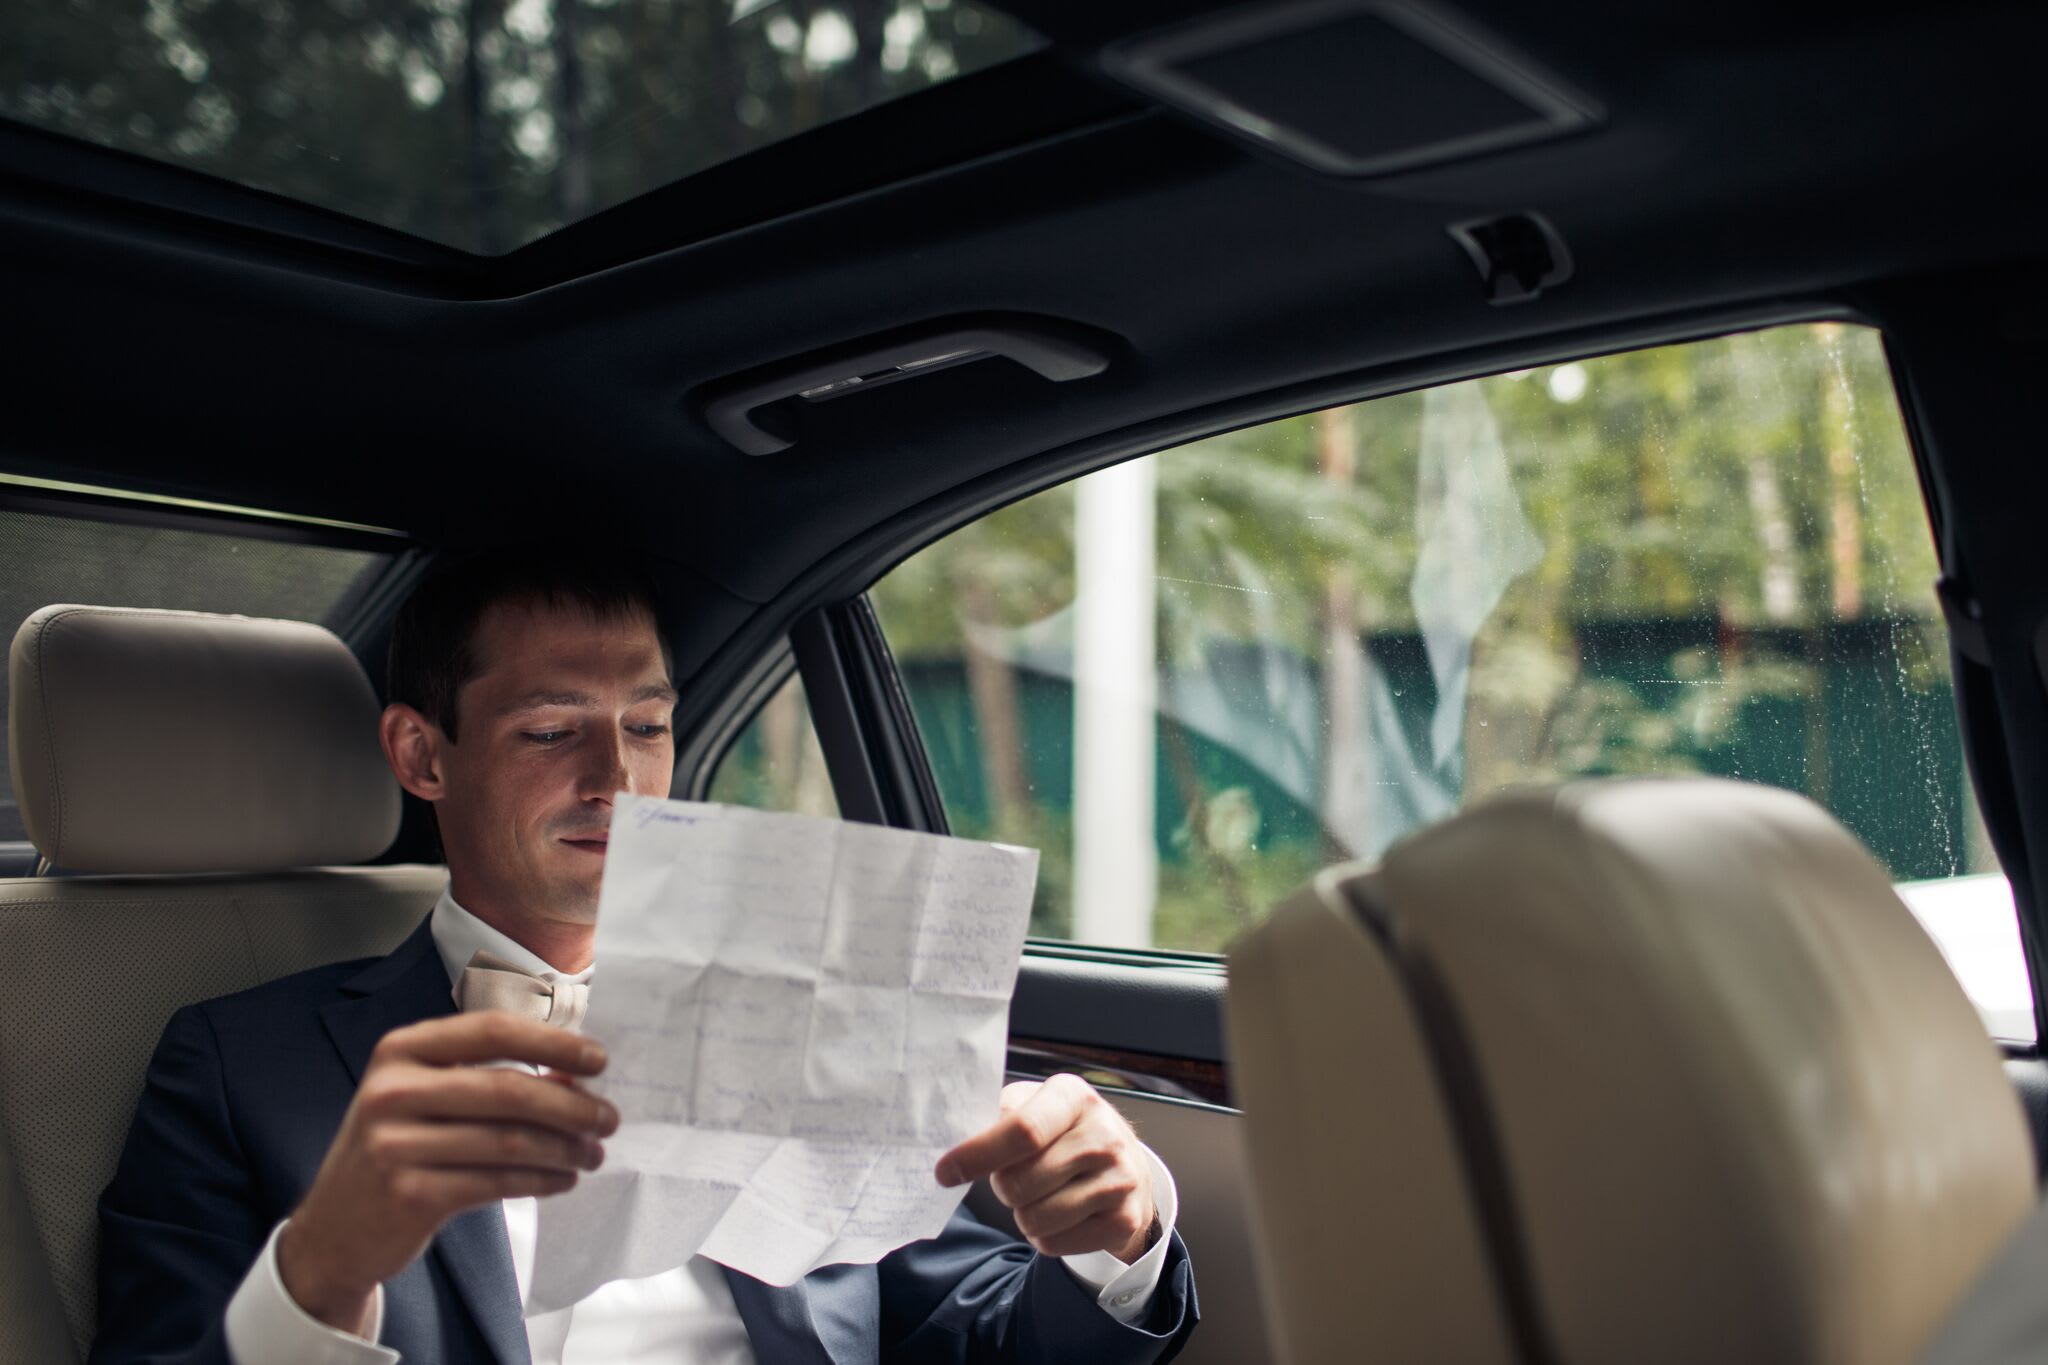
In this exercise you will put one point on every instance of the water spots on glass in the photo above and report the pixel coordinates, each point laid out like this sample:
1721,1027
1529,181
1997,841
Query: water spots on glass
1707,558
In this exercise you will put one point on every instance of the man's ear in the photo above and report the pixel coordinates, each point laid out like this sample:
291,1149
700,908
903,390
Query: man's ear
412,746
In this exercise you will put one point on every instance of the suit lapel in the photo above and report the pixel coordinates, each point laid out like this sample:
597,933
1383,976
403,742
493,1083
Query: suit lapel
830,1317
472,1248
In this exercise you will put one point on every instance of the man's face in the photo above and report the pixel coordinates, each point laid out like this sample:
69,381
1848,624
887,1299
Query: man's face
564,712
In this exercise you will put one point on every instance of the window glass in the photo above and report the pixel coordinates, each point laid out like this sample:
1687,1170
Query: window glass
47,558
1972,921
775,762
1196,677
483,124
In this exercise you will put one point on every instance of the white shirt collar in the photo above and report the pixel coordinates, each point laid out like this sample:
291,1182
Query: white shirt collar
459,935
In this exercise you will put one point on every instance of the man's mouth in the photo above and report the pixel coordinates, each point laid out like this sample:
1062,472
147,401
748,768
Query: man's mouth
596,843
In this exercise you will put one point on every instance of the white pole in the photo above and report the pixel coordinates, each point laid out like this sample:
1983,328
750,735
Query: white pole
1116,864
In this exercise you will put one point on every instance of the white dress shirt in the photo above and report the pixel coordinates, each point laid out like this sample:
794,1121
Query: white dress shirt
685,1315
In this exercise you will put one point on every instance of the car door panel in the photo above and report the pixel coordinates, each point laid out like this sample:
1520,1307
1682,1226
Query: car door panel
1168,1011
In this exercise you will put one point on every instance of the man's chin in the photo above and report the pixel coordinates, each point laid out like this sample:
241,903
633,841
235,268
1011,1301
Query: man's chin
575,900
579,873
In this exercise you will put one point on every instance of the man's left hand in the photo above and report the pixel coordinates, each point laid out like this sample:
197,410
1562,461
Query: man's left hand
1067,1165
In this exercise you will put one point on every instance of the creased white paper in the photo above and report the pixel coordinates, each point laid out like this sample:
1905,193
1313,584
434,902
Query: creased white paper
802,1016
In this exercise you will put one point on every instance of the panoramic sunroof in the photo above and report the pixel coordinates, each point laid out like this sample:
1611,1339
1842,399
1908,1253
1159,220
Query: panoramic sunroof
483,124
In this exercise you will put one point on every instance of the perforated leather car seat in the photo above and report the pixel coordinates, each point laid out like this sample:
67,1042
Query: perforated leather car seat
199,774
1617,1072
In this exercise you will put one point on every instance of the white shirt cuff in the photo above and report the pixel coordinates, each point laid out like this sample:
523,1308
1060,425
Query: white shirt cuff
1125,1291
266,1327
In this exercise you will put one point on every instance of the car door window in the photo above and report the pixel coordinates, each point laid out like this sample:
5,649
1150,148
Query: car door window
1193,678
774,763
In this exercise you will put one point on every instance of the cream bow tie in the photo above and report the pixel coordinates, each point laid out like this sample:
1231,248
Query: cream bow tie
492,983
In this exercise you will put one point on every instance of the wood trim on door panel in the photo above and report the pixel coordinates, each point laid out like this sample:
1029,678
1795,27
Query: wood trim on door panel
1106,1068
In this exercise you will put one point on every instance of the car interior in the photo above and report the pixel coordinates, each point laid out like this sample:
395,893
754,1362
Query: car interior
1389,495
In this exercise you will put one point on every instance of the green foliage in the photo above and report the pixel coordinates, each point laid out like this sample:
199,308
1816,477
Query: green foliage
483,123
1736,577
1719,521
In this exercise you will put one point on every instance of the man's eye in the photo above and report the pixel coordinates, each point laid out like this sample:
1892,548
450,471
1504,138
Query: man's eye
649,731
543,736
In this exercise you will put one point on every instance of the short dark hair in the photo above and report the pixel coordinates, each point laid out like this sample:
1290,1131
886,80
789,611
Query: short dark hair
433,640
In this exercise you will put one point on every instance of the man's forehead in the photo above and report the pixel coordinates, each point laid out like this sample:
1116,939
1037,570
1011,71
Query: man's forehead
523,647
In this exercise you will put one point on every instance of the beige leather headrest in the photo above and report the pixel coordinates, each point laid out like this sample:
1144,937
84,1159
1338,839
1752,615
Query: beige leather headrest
1718,1096
173,741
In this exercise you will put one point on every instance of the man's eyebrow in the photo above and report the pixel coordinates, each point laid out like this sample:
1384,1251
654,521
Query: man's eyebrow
533,701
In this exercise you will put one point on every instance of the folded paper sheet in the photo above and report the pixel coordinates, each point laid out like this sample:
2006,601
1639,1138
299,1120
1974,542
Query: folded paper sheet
802,1016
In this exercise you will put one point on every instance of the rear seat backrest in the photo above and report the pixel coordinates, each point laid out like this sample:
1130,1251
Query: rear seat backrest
1637,1071
210,773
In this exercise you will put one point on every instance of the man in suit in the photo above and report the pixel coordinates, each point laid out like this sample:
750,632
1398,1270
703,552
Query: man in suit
321,1171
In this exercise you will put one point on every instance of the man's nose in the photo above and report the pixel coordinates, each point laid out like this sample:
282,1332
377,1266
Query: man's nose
607,774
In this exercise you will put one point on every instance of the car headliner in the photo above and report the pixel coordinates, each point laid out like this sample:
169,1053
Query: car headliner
180,335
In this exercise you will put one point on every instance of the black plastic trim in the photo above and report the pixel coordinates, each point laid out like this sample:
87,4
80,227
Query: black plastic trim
880,773
1056,351
836,715
2029,1077
915,790
1108,1004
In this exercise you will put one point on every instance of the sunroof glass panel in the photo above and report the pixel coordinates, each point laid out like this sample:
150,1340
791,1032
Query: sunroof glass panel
483,124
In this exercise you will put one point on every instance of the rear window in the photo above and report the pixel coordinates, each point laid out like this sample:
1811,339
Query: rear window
48,557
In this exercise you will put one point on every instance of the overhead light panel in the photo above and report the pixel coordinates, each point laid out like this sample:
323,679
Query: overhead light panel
1354,87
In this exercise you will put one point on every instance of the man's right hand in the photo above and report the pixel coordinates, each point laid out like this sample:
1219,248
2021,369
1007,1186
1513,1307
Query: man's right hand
430,1134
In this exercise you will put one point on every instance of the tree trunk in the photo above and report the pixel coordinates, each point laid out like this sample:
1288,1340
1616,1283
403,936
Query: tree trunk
869,19
1344,732
573,175
992,684
1778,569
1845,511
782,743
483,209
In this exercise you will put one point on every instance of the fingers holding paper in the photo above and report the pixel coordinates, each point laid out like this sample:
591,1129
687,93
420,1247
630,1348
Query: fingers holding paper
430,1133
1067,1165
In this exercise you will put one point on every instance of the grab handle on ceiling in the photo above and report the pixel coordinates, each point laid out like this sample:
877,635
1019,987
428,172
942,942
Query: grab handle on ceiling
731,407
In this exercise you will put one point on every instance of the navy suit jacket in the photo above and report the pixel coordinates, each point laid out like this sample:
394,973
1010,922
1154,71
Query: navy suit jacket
245,1093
